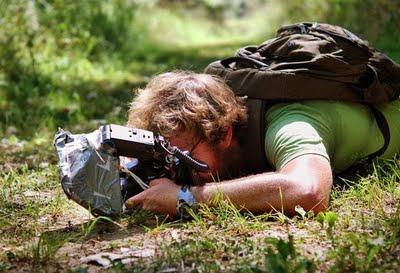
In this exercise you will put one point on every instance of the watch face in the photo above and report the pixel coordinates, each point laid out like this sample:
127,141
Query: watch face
185,195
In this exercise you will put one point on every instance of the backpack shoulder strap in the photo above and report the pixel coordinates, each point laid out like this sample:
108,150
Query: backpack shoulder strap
384,127
252,141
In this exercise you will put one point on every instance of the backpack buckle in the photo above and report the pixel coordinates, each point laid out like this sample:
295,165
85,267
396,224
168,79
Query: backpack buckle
303,28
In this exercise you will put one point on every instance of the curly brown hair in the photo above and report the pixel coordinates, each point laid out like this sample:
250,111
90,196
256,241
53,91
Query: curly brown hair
179,101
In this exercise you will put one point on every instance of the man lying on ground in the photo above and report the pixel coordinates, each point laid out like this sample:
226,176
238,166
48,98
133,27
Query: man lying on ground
305,143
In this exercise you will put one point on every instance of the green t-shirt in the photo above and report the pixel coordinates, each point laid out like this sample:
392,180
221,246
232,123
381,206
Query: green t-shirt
339,131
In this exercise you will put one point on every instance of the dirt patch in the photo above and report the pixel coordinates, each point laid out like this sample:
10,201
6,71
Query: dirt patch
109,244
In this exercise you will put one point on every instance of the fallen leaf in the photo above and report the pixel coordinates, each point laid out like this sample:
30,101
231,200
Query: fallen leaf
104,259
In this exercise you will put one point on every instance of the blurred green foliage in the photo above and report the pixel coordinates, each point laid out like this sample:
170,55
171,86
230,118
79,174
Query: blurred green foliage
75,63
49,56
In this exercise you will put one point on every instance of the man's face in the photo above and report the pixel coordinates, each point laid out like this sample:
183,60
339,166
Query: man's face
200,150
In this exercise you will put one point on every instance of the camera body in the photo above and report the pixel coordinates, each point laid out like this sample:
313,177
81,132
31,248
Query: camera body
150,157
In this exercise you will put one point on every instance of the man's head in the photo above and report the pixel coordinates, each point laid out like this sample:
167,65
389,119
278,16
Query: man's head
183,102
191,110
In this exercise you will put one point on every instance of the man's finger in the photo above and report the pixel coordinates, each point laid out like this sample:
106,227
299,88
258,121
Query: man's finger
136,200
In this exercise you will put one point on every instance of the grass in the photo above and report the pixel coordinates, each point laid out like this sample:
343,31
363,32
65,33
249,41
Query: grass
359,233
62,66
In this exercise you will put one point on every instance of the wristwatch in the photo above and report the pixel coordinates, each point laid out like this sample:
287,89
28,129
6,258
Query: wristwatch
186,201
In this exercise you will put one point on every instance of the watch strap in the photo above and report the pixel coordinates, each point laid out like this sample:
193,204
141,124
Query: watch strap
185,202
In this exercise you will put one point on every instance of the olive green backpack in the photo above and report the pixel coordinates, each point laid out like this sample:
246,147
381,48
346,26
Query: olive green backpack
308,61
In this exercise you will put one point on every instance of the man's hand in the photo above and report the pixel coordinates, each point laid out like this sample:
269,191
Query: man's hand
161,197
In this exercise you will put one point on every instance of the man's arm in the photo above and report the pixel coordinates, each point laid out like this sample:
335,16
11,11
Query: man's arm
305,181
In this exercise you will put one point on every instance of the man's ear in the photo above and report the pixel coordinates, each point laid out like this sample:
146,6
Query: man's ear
227,140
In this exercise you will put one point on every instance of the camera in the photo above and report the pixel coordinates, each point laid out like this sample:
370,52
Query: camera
102,169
